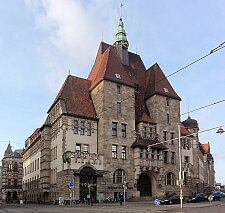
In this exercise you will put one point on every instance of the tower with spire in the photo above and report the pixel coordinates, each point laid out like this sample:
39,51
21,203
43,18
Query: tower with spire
121,43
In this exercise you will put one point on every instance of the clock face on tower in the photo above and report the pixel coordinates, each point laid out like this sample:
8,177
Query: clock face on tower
125,44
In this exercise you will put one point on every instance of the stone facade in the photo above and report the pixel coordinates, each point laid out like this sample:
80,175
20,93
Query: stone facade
117,129
12,171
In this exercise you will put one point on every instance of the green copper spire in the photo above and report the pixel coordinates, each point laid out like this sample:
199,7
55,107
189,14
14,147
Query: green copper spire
121,34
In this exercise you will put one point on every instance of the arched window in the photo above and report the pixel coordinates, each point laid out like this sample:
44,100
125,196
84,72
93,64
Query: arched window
15,167
170,179
9,167
119,176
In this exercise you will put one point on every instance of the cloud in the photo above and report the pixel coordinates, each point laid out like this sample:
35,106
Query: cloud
73,30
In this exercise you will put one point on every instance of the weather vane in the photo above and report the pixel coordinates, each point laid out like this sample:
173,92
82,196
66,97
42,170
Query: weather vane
121,5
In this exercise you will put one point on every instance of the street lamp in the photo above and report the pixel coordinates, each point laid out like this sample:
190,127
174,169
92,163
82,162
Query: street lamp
220,130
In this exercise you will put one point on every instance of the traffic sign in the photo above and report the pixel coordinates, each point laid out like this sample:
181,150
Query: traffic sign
71,184
157,202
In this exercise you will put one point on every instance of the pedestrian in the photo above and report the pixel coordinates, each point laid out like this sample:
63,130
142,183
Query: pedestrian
120,198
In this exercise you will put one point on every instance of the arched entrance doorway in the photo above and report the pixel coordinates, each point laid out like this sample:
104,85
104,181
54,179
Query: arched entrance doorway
88,180
8,197
14,195
144,185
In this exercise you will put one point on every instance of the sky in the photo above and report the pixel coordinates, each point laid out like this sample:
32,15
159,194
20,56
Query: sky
42,41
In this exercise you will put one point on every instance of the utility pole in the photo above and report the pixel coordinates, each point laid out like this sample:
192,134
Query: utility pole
180,172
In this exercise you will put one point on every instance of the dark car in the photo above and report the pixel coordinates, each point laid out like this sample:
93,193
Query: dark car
214,196
222,194
171,200
197,198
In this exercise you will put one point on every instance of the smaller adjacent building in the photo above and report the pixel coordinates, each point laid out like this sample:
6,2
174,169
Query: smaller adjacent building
197,161
12,171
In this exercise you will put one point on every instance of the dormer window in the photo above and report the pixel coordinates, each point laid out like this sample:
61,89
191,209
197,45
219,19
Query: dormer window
118,76
166,90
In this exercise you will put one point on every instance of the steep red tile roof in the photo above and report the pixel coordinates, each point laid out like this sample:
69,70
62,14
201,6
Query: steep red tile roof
107,65
205,147
75,93
183,130
146,142
157,83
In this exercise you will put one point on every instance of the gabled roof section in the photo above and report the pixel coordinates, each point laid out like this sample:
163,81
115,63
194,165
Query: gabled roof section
145,118
75,93
206,147
107,65
183,130
157,83
140,142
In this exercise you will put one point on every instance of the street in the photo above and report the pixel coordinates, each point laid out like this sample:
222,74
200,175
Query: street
130,207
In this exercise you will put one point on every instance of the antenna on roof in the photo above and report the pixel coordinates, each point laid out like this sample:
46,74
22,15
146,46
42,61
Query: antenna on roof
121,5
69,71
136,49
102,36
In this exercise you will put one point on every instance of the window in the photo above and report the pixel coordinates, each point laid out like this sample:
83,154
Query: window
124,152
119,176
173,157
85,148
114,129
186,159
158,155
167,118
150,132
38,164
114,151
15,182
88,129
144,132
118,107
170,179
165,156
164,136
75,130
172,137
141,152
78,148
82,127
10,167
146,152
185,178
188,144
124,130
118,90
167,101
15,167
9,182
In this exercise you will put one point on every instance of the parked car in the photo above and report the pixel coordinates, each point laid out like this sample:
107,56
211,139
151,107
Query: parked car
214,196
222,194
171,200
197,198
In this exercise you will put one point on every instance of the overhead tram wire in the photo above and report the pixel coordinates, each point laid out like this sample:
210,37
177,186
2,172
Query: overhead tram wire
219,47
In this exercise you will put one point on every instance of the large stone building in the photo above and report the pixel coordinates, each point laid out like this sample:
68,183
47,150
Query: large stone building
12,174
117,128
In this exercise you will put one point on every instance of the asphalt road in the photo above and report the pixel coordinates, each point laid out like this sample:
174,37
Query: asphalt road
130,207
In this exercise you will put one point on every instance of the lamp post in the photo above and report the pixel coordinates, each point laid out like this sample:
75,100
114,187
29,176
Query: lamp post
180,169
